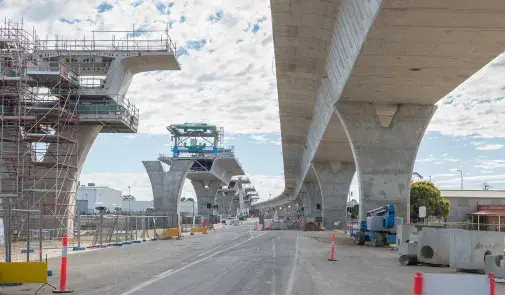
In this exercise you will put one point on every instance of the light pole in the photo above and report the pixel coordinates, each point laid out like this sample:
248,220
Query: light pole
129,201
461,173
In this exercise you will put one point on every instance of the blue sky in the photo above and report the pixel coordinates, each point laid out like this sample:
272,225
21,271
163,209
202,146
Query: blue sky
226,53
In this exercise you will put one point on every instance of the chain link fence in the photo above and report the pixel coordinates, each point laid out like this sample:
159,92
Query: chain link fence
28,235
106,230
22,235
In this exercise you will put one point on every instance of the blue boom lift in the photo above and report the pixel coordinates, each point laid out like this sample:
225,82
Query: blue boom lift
379,227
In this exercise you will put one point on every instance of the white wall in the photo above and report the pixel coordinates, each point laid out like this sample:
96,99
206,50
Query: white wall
136,206
108,196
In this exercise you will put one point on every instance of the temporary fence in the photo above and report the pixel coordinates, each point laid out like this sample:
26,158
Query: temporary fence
104,230
187,223
465,225
22,235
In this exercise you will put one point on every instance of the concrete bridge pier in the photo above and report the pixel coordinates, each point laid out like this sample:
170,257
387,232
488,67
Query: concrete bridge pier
334,180
305,204
384,141
235,204
167,186
224,202
205,194
314,193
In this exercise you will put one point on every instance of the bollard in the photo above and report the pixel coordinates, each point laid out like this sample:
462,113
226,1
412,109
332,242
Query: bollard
492,284
63,268
418,284
332,254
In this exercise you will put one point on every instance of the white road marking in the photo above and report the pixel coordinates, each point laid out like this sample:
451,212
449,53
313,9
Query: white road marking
171,271
201,254
293,269
272,287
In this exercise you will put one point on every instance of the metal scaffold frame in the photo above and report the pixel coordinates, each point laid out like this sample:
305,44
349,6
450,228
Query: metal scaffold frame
39,131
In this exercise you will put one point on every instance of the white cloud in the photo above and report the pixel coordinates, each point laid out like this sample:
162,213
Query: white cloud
476,107
263,139
436,160
229,82
488,147
442,175
490,164
477,143
500,178
486,171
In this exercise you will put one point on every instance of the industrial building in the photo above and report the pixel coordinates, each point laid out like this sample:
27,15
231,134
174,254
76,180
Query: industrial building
87,196
479,206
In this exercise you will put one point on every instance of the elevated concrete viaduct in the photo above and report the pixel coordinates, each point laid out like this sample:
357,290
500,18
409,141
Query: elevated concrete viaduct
207,175
373,69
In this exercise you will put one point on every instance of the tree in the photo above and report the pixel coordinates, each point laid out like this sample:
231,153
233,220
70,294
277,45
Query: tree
425,193
128,198
486,186
183,199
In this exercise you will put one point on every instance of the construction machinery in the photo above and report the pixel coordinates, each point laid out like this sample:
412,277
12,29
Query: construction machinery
379,227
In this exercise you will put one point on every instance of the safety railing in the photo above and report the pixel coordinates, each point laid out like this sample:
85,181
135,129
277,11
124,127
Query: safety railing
137,40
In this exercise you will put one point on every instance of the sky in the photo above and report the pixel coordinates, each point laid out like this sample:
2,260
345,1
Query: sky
225,50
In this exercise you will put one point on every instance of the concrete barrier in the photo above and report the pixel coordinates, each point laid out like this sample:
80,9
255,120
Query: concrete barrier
433,246
469,248
495,264
202,230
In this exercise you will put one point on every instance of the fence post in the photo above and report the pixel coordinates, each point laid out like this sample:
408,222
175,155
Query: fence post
40,231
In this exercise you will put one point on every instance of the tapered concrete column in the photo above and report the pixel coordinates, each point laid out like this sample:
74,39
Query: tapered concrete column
224,201
334,180
205,195
384,140
305,201
235,205
167,185
315,197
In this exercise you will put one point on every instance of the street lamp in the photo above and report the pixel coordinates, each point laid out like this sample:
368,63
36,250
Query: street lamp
461,173
129,200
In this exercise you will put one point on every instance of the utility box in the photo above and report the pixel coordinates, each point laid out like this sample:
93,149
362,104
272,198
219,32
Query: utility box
469,248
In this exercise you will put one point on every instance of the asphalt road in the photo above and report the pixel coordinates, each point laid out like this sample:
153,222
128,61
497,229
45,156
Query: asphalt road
233,260
237,260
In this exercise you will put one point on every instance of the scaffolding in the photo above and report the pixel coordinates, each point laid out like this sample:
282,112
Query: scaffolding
39,131
50,90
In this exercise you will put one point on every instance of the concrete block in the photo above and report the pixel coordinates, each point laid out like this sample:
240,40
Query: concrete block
495,264
433,246
469,247
404,234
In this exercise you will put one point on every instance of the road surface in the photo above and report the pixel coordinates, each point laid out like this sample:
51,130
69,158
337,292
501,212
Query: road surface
236,260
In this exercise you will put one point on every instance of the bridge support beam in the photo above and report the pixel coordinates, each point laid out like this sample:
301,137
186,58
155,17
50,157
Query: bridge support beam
167,186
316,201
384,141
205,195
334,180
